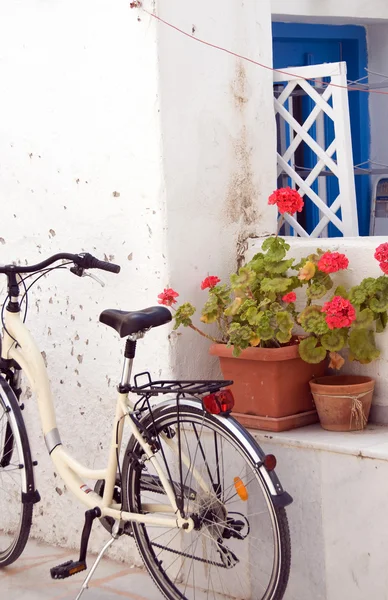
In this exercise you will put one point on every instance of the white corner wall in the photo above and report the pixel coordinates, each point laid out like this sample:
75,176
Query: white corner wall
362,264
327,11
80,169
219,147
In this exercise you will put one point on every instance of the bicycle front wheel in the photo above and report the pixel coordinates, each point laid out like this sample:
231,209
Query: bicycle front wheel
15,459
240,546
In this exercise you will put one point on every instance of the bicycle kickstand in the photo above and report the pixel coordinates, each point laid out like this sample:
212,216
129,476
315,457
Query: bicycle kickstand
115,535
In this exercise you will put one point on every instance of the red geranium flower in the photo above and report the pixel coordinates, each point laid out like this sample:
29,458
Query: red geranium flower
381,253
210,282
287,200
290,297
167,297
384,267
339,313
331,262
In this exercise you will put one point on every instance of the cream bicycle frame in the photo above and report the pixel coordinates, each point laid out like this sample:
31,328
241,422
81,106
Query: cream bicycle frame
26,353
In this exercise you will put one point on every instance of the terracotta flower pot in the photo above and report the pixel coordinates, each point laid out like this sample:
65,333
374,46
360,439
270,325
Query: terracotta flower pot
271,386
343,401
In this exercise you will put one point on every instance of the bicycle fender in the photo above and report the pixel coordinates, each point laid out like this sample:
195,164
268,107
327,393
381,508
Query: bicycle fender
29,492
279,496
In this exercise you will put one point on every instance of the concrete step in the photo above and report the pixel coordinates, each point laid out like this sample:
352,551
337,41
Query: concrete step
339,518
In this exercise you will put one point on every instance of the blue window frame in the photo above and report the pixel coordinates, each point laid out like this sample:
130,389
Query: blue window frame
299,44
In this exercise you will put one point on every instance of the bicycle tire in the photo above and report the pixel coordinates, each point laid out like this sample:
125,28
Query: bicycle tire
136,485
15,457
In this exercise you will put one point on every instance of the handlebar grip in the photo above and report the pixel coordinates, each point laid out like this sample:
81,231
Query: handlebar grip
87,261
104,266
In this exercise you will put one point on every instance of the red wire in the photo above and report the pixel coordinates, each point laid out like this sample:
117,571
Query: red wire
255,62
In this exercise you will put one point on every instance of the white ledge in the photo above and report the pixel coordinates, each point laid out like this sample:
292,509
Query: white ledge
370,443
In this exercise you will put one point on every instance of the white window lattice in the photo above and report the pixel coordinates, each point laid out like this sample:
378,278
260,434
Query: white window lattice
337,157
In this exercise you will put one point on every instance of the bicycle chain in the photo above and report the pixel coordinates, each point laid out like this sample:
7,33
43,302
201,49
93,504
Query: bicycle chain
186,555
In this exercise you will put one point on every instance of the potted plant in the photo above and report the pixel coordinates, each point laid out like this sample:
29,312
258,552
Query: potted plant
277,321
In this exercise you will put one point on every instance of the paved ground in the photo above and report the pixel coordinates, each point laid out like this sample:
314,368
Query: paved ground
29,578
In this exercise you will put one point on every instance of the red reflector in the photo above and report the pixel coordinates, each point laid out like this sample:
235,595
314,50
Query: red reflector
269,462
220,402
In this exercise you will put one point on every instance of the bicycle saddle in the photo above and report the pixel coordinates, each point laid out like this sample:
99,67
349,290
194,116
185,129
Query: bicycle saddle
126,323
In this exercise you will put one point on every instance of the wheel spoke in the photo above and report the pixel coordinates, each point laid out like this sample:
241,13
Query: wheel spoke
213,560
15,517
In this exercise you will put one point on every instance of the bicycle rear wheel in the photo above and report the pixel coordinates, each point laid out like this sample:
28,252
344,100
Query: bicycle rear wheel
240,547
15,459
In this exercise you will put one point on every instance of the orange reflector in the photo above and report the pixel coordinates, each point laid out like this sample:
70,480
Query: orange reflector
241,489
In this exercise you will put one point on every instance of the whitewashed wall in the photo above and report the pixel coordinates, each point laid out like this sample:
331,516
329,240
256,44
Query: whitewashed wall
218,146
123,138
362,264
346,11
80,169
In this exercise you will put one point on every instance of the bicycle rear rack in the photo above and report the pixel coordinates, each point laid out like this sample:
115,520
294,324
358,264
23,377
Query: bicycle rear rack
180,387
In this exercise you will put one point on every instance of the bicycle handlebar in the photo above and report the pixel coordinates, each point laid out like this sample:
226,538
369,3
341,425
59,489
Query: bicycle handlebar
85,261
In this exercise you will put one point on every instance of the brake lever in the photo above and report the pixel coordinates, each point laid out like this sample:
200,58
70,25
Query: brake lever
93,276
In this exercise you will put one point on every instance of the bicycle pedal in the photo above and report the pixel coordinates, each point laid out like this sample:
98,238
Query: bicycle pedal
67,569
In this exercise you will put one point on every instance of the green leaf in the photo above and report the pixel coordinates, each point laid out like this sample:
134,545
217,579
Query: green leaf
357,295
222,292
243,279
239,337
364,318
309,351
381,285
210,311
379,305
340,290
265,330
275,247
312,320
381,322
233,308
275,307
284,321
278,285
323,279
183,315
279,267
368,286
253,316
334,340
283,336
316,291
257,263
362,345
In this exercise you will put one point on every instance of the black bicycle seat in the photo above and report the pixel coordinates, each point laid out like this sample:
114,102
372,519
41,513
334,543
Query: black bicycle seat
126,323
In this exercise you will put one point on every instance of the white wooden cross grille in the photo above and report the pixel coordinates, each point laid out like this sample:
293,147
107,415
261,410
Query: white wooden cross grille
337,157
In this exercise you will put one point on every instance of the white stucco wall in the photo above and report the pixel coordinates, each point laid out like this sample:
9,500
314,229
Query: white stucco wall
346,11
79,123
218,146
121,137
362,264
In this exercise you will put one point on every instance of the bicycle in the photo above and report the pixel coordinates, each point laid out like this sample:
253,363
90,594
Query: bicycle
195,491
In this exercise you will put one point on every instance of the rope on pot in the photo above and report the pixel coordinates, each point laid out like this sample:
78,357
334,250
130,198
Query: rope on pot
357,409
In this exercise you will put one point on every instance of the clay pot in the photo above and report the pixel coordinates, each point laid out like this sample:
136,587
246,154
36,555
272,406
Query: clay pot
271,386
343,401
